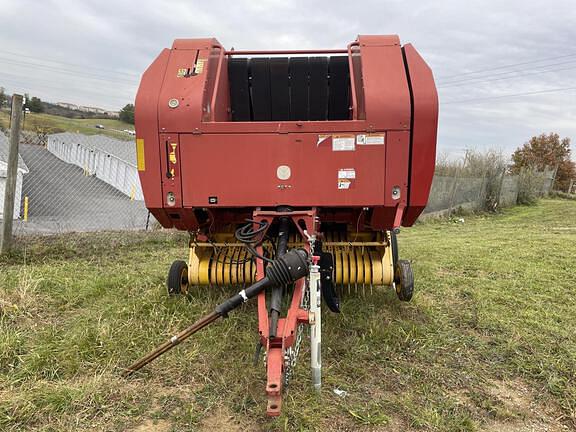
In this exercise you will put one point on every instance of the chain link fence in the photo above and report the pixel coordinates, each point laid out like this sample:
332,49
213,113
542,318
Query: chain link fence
494,189
69,182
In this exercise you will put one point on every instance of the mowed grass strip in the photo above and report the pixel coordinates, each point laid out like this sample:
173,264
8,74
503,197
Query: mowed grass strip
53,124
486,344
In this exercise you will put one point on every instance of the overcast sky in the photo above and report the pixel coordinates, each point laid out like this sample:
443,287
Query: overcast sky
93,52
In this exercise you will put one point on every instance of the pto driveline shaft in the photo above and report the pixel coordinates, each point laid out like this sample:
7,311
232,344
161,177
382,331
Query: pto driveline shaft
286,269
171,343
276,292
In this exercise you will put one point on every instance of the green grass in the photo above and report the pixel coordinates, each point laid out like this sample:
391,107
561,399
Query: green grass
487,343
54,124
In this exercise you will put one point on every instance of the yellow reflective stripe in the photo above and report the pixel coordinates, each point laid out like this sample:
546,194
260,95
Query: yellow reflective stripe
141,164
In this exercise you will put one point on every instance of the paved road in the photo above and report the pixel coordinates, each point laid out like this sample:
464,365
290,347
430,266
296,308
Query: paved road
62,198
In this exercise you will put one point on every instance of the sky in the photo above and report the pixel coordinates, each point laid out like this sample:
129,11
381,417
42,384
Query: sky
486,55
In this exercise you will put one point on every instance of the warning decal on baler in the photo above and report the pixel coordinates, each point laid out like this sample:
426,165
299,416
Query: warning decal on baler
339,142
343,143
344,184
199,67
345,177
371,139
346,173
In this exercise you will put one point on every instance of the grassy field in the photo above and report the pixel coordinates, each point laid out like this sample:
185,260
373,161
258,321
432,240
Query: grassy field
53,124
487,344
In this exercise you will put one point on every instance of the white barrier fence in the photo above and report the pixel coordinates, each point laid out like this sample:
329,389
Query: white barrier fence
112,161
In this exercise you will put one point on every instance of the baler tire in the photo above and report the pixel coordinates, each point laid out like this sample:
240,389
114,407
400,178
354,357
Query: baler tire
177,282
394,246
404,280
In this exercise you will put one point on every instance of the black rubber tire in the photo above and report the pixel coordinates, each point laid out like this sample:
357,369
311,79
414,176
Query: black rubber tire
404,280
394,246
177,282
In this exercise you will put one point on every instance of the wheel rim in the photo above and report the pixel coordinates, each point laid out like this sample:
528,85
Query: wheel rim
398,281
184,281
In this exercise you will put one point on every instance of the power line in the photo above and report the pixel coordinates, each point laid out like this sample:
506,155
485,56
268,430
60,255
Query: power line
503,73
27,85
509,95
69,64
507,66
64,71
461,83
38,80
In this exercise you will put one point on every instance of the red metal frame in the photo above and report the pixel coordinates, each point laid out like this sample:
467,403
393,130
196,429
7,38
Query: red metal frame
352,81
287,326
286,52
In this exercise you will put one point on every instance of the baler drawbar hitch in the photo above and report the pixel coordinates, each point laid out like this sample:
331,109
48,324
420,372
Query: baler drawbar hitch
284,270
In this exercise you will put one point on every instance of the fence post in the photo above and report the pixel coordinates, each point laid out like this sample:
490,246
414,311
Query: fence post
11,174
500,188
482,194
455,184
551,187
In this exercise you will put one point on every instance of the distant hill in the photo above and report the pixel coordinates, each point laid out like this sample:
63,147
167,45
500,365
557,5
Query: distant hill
50,108
62,111
49,123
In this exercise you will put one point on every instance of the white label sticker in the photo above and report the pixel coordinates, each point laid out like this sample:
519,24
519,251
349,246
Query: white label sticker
346,173
343,143
344,184
374,139
360,139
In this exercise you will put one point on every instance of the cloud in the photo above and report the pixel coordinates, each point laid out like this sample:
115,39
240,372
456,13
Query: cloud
93,52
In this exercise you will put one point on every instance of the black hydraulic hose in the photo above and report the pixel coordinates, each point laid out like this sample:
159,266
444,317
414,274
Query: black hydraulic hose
276,294
252,237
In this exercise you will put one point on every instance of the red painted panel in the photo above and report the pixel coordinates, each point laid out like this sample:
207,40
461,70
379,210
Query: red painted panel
186,91
241,170
284,126
146,122
386,94
194,44
397,161
425,125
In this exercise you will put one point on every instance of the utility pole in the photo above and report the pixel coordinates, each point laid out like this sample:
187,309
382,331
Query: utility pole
11,175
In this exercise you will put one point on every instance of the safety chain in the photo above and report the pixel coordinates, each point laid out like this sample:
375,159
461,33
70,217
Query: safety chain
291,355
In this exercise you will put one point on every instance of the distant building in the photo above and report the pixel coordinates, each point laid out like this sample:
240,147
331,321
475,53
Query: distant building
22,170
88,109
67,105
